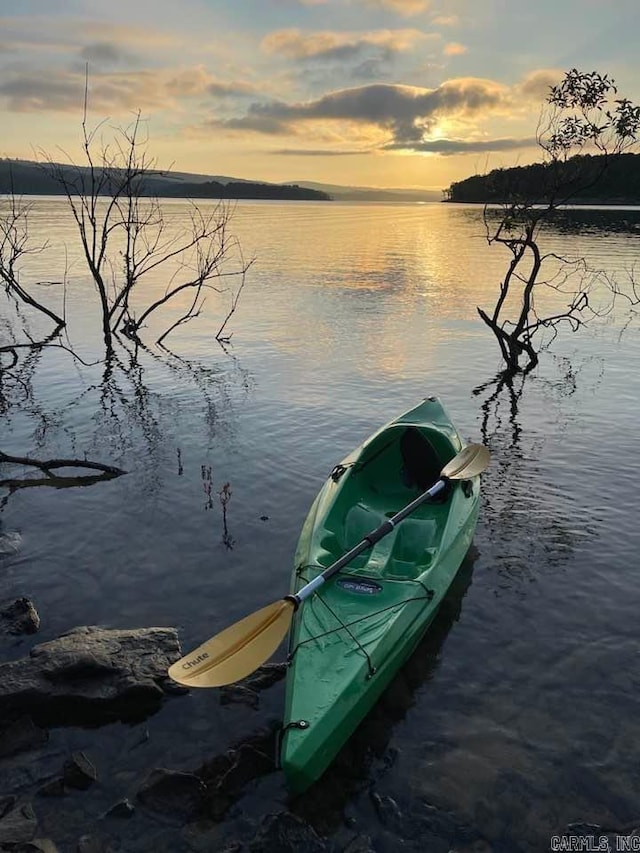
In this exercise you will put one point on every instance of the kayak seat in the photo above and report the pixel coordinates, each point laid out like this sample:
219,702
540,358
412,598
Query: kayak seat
420,463
359,521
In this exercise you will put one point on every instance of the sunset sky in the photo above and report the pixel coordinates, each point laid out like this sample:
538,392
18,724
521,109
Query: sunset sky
386,93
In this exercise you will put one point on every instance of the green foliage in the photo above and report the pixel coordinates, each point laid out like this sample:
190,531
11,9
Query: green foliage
583,131
582,110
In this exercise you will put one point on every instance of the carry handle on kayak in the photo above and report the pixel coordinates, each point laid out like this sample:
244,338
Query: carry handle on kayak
244,646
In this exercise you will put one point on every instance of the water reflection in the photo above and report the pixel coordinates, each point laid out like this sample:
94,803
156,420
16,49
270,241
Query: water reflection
16,376
528,525
594,221
597,221
51,478
501,399
129,406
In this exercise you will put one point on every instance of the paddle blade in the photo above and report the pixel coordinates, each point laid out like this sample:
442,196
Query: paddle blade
471,461
238,650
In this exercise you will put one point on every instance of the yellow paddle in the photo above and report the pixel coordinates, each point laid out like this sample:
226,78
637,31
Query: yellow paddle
242,647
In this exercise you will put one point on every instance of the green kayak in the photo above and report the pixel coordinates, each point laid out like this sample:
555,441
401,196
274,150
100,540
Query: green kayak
349,638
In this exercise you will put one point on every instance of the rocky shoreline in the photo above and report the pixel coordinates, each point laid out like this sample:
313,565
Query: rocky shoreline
91,677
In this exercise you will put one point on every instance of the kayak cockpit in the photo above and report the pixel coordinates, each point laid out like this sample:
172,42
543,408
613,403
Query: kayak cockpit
392,469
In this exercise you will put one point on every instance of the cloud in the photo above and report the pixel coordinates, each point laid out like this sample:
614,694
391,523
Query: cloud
463,146
298,45
407,8
232,89
445,20
454,48
33,91
43,31
62,90
407,112
536,85
142,37
318,152
189,82
105,53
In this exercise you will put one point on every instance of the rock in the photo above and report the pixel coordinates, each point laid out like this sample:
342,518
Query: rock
173,793
236,694
286,833
248,763
19,617
205,837
246,691
480,845
10,543
94,844
38,845
265,676
584,829
6,804
359,844
79,772
122,809
91,675
427,817
387,810
21,735
18,824
225,775
55,788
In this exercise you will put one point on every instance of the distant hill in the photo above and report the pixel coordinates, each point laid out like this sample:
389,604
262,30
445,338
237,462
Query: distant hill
25,177
28,178
619,184
237,189
342,193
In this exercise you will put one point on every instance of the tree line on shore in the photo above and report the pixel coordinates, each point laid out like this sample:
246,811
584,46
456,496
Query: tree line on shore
585,179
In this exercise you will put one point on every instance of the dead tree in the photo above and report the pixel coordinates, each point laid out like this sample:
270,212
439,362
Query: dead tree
582,114
126,239
51,476
14,247
50,467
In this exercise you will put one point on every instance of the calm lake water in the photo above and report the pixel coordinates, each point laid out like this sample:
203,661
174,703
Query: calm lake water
519,713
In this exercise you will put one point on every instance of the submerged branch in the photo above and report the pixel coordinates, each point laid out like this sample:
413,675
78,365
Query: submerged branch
59,481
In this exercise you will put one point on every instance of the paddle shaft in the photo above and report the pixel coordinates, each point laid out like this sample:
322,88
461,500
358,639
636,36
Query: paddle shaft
369,540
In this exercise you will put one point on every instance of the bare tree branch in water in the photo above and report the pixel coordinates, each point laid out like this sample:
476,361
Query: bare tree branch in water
630,292
225,496
126,238
49,467
14,248
582,113
505,387
38,345
235,297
